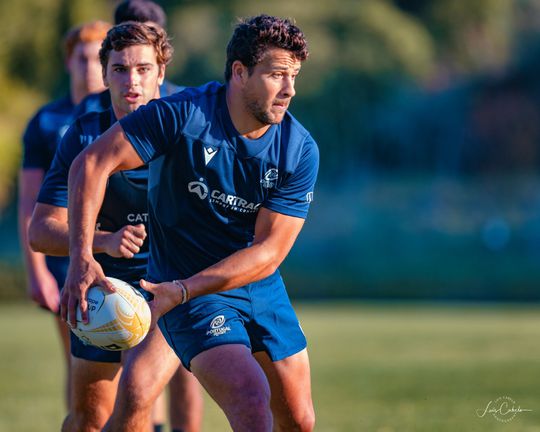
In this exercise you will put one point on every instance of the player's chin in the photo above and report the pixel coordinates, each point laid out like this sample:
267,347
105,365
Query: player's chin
274,117
132,107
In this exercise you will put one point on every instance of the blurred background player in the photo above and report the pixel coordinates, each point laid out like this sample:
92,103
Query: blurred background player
130,10
46,275
133,57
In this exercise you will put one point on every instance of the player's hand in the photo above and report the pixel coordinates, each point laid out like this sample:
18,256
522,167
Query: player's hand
167,295
125,242
43,290
83,273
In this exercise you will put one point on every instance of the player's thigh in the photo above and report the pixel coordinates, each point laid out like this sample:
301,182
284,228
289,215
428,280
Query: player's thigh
230,374
93,384
64,333
186,401
148,366
290,384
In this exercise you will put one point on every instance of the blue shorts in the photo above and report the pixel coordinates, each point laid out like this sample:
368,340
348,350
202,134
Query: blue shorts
89,352
58,267
259,316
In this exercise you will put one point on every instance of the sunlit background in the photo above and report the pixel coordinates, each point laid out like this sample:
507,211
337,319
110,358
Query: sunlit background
427,115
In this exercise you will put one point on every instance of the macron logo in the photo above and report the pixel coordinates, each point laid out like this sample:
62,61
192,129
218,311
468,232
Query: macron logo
209,153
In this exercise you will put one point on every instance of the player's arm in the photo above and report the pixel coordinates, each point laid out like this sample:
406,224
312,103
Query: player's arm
49,234
42,286
88,176
275,234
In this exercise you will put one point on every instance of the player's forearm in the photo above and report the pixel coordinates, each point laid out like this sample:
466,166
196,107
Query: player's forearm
28,190
35,262
49,233
49,236
86,188
241,268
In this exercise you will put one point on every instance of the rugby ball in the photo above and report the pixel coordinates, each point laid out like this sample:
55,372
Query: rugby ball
116,321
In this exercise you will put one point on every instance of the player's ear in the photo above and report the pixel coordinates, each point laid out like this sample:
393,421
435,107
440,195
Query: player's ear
239,72
161,75
104,75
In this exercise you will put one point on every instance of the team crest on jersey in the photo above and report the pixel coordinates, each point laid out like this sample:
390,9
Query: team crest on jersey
270,178
209,153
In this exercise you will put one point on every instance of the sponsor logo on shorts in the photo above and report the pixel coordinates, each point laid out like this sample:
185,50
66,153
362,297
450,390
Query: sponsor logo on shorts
218,327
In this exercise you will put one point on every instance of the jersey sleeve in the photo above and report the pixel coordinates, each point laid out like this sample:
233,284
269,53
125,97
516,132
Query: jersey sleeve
294,195
34,146
155,127
54,190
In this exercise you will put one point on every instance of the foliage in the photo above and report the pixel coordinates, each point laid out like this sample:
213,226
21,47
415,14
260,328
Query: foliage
31,68
362,54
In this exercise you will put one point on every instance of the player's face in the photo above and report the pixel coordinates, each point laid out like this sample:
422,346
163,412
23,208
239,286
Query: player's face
270,87
133,77
85,69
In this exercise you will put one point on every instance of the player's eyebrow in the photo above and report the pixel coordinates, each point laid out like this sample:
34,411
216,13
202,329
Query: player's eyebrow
283,68
137,65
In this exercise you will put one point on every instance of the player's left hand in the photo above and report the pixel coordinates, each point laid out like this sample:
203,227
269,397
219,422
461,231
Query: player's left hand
167,295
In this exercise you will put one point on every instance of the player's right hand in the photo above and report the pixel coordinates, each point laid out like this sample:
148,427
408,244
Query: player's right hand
125,242
43,290
83,273
167,295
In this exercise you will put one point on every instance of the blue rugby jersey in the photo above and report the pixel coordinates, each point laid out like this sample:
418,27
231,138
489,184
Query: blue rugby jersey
40,140
207,182
125,201
44,132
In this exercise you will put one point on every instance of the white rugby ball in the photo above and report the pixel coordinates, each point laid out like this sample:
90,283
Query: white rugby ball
116,321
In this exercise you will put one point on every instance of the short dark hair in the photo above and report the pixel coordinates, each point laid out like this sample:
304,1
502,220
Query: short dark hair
140,11
253,36
136,33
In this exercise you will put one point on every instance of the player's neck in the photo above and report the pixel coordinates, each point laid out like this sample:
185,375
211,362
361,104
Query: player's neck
77,95
244,122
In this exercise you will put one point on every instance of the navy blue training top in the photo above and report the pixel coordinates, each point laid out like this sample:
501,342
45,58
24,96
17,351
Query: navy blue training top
40,140
207,182
125,201
44,132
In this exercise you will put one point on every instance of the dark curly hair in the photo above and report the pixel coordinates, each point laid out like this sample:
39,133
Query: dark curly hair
140,11
135,33
252,37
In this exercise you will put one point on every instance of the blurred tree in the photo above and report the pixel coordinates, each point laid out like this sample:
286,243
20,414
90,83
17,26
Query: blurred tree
362,53
32,68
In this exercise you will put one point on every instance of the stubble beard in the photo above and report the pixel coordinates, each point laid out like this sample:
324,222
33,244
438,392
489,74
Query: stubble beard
261,115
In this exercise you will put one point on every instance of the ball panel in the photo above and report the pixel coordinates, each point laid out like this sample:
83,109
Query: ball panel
117,321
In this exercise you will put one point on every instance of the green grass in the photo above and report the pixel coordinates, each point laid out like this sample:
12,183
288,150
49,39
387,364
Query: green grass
378,368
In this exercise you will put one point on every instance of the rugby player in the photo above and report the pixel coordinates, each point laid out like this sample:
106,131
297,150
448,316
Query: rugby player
231,178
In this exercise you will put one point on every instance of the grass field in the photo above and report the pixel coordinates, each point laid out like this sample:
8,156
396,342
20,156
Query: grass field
379,368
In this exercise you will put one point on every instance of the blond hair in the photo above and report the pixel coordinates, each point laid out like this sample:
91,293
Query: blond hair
94,31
